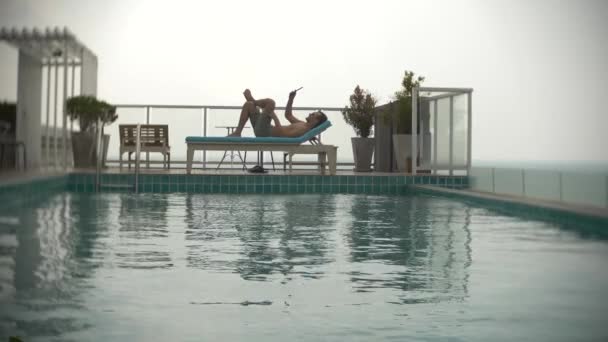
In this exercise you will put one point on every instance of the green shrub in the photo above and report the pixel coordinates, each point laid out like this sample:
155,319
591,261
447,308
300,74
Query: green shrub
87,110
399,113
360,113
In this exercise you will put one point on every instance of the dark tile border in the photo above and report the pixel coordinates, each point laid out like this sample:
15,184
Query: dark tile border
235,184
19,193
16,194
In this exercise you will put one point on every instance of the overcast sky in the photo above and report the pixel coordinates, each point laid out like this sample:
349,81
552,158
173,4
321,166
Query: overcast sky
539,68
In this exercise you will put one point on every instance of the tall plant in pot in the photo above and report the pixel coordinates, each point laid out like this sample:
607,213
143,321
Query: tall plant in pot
360,115
88,111
399,114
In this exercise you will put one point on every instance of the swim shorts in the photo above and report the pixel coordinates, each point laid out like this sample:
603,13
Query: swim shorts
260,123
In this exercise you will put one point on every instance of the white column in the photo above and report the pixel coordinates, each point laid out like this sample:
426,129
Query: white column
72,94
47,131
29,110
414,130
88,74
64,107
56,87
421,138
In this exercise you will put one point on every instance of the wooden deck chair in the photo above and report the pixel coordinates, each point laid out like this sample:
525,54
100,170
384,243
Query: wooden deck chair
153,138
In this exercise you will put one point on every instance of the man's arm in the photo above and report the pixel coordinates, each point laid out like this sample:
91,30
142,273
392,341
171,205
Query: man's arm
288,112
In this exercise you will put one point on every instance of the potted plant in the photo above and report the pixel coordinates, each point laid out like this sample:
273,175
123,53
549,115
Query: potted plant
399,115
360,115
88,110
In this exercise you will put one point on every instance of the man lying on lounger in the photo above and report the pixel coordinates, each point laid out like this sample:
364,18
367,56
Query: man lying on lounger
260,120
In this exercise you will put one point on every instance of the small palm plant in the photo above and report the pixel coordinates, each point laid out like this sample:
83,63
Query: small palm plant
87,109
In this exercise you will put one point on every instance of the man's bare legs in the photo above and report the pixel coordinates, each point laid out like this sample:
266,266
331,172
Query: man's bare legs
248,96
248,109
267,105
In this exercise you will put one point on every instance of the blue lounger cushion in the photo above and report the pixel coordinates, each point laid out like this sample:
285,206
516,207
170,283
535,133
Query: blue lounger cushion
255,140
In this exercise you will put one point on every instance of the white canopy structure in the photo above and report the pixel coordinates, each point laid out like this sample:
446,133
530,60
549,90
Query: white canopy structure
53,55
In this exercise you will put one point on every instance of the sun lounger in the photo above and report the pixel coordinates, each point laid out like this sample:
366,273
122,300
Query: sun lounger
326,153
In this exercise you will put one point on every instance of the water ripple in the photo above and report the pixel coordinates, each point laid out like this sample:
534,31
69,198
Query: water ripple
115,266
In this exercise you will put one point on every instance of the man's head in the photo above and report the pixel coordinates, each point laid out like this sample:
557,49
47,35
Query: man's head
316,118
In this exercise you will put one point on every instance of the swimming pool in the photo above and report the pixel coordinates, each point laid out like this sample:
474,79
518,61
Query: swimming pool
273,267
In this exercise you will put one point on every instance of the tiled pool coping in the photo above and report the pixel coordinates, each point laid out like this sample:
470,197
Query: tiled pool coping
30,188
26,189
166,183
18,192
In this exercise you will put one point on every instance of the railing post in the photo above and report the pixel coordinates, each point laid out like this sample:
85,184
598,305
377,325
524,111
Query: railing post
451,135
435,137
523,182
204,134
493,180
147,123
607,191
469,131
55,116
137,156
561,187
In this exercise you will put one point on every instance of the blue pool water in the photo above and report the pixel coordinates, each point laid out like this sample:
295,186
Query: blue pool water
179,267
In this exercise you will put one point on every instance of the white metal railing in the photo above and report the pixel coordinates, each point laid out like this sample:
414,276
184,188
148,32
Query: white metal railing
589,189
205,113
146,113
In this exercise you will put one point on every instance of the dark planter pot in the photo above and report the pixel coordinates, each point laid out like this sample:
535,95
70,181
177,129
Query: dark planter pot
85,151
363,151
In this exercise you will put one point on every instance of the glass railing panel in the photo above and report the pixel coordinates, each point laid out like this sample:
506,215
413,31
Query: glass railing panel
585,189
181,122
542,184
508,181
480,179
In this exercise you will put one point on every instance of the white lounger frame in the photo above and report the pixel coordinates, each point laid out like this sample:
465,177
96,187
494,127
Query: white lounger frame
327,154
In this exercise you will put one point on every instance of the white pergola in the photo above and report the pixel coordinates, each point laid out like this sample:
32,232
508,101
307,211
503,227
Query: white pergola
58,53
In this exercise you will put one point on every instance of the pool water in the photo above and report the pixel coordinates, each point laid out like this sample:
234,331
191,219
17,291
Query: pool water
180,267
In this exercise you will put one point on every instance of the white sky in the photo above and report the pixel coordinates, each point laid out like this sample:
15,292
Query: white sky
539,68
